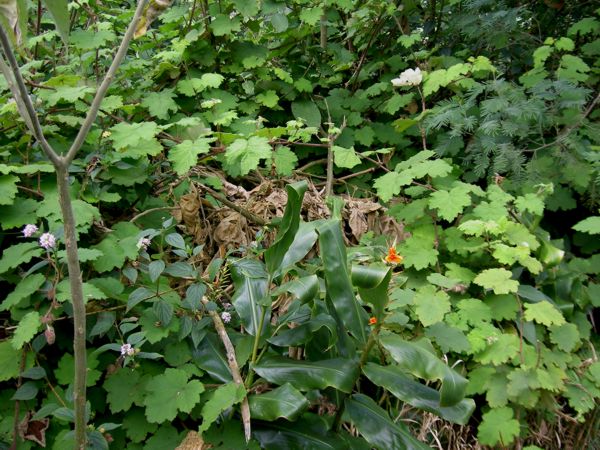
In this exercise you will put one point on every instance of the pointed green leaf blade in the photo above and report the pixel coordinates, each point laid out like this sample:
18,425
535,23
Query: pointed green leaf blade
414,359
60,14
26,330
373,283
305,433
306,375
24,289
417,394
251,286
288,227
375,425
337,279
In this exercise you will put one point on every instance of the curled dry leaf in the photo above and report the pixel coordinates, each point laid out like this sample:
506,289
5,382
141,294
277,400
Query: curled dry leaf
151,12
189,205
358,213
10,11
193,441
34,430
231,230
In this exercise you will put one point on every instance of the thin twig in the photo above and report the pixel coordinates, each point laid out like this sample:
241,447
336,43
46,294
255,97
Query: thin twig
151,210
189,24
31,191
421,128
233,366
374,32
357,174
244,212
314,162
304,144
564,133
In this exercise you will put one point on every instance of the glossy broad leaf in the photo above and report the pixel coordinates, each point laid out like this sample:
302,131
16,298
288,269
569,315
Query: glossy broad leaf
284,402
305,331
376,426
306,375
305,238
287,227
210,356
304,289
251,284
416,360
417,394
337,279
373,285
300,434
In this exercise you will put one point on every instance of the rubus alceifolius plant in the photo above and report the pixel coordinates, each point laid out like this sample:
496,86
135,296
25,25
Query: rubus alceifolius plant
270,90
488,286
299,351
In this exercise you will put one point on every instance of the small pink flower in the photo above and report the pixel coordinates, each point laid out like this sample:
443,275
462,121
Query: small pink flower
47,241
143,243
29,230
127,350
226,317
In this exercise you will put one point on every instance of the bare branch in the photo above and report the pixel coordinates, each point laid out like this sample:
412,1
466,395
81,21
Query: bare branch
233,366
25,101
12,85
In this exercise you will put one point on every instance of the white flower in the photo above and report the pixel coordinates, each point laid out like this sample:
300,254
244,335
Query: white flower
29,230
48,241
127,350
226,317
143,243
410,77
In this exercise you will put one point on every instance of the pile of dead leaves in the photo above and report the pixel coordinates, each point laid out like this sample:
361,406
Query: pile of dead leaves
221,228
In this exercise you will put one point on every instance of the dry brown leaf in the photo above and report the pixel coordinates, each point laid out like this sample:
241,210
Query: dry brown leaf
230,231
357,223
193,441
151,12
388,226
34,430
189,207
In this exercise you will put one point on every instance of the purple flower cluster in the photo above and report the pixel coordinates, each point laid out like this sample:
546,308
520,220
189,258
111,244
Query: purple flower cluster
29,230
47,241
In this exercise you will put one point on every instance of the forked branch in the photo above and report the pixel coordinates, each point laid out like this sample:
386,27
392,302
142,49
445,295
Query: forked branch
61,165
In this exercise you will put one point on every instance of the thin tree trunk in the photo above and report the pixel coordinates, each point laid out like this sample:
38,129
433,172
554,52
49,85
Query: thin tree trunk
76,282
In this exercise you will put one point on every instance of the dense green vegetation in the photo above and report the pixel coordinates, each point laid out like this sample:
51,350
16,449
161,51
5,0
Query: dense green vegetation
390,210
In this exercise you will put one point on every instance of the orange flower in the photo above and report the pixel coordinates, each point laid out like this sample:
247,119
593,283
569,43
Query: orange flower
393,257
372,320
